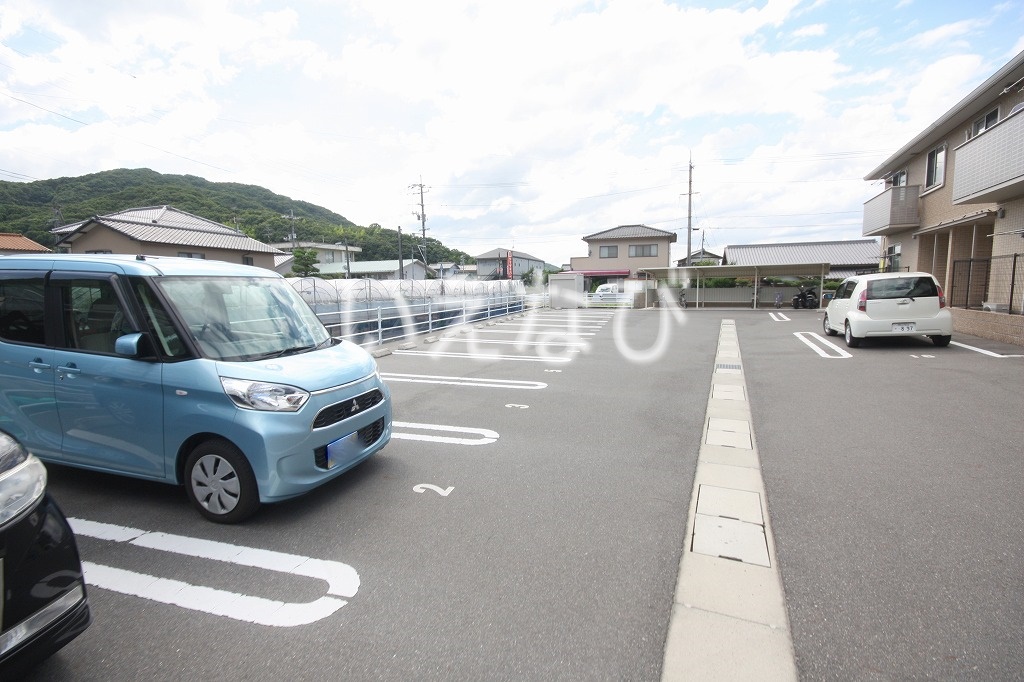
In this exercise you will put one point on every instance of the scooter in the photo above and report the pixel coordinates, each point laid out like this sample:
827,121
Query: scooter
806,298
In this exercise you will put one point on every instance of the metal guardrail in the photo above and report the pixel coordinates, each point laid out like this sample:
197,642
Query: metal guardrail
373,325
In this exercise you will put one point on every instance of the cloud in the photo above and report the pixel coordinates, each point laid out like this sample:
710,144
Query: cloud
537,122
811,31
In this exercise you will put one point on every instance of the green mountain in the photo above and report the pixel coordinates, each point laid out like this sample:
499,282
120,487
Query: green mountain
34,208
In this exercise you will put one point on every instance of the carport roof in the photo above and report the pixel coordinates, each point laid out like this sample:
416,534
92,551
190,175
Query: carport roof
820,270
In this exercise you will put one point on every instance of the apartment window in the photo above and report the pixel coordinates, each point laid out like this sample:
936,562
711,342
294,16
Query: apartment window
984,123
609,252
643,250
936,167
892,257
898,179
186,254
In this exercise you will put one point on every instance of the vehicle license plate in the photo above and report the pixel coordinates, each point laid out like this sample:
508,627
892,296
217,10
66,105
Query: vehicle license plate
342,450
904,326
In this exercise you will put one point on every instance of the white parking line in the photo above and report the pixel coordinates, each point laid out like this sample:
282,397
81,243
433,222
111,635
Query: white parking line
503,342
463,381
532,331
840,353
534,325
342,580
485,436
983,351
779,317
482,356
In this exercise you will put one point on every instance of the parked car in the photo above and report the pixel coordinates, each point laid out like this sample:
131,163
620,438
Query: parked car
208,374
607,292
43,603
889,304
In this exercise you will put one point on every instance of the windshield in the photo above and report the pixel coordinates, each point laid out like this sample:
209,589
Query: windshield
901,287
244,318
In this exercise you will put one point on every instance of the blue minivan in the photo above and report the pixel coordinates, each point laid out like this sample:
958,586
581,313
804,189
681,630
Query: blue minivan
208,374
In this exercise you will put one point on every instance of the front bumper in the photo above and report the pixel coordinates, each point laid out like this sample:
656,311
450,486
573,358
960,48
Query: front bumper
45,605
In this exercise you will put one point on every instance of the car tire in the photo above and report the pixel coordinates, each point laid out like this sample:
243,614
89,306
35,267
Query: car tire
851,340
941,341
827,327
220,482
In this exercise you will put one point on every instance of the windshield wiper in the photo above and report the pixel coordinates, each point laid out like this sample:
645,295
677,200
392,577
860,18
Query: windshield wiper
295,350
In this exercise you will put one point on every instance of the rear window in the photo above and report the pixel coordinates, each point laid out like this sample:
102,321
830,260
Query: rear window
901,287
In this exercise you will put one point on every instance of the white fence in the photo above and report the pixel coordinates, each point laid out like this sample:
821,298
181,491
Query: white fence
369,312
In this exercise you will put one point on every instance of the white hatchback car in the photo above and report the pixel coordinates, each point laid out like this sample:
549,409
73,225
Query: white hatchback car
889,304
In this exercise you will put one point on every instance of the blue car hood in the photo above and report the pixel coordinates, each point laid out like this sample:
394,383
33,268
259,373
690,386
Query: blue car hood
312,371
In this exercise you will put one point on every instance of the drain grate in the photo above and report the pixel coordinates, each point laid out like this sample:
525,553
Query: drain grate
724,366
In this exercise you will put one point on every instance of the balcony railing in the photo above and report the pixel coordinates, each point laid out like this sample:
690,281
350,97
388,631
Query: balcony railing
894,210
990,167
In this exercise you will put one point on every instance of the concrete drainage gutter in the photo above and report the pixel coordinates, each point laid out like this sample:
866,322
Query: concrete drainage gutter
729,618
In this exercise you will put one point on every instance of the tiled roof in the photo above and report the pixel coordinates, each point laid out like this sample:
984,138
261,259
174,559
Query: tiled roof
11,242
837,253
632,232
168,225
502,253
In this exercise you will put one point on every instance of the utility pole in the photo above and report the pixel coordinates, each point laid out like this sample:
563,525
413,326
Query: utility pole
689,212
401,258
348,261
292,237
422,217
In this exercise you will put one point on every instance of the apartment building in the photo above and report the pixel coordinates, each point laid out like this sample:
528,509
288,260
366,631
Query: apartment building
953,205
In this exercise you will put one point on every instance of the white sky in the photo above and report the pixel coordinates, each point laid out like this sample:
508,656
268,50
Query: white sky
531,123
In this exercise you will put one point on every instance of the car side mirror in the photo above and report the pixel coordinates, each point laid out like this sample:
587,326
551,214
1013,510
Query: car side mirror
128,345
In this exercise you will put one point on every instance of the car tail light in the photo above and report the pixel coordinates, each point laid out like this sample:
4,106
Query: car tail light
862,302
942,297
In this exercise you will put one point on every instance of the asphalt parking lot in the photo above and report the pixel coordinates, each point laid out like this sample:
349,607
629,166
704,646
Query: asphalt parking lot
528,519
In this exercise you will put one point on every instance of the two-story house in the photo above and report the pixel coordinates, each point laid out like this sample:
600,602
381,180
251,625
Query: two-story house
621,252
506,264
163,231
327,255
953,204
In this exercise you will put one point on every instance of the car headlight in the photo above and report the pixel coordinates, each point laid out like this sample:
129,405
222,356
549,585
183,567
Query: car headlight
260,395
22,479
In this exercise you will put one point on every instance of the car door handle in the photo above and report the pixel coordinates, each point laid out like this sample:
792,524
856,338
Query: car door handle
38,365
69,370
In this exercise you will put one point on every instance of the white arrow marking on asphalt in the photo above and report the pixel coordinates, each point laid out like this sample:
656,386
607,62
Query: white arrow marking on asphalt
342,580
485,435
430,486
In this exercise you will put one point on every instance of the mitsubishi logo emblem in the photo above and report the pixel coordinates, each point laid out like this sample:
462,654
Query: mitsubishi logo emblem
354,408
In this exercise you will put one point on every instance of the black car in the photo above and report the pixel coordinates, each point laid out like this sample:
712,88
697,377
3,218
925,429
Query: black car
43,604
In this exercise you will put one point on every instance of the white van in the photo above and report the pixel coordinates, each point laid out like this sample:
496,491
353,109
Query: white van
202,373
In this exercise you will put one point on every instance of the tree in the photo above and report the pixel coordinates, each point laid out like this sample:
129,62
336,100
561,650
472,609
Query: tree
304,263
